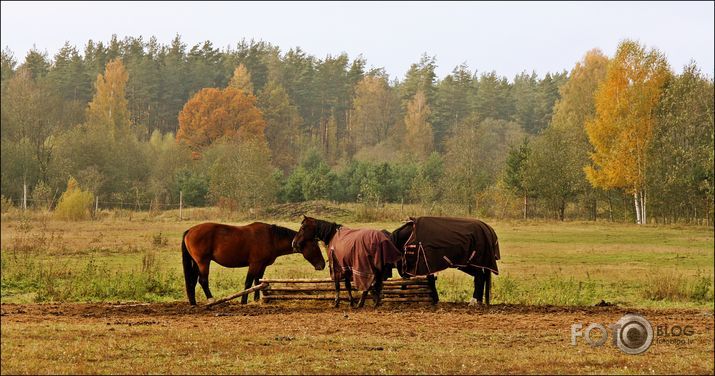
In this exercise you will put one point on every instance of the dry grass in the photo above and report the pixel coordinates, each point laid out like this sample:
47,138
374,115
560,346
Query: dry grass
257,339
128,256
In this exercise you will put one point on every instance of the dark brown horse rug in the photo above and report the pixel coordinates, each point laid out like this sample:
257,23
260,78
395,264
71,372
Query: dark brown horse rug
362,252
438,243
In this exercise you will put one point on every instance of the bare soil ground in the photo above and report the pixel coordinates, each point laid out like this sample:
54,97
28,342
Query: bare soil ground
316,338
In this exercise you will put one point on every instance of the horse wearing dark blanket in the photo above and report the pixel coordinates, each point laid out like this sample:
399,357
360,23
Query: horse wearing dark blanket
358,254
432,244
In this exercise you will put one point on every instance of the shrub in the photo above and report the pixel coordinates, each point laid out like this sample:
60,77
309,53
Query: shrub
5,204
42,196
75,204
671,286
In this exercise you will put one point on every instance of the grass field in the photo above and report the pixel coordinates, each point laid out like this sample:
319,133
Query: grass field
572,263
116,284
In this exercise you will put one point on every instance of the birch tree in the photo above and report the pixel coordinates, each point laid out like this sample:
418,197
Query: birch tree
625,116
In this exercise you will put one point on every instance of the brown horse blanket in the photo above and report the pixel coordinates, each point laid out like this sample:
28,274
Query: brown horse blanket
438,243
361,252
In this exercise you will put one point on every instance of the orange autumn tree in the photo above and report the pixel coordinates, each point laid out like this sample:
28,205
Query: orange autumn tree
212,114
624,120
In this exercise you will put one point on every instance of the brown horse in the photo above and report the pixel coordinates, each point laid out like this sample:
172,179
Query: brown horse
431,244
256,245
358,254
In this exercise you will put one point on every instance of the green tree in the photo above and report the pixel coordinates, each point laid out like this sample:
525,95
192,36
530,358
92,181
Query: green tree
453,99
546,175
193,184
681,174
241,175
476,153
168,158
572,110
374,112
493,98
175,85
312,180
526,94
515,173
419,78
36,63
425,187
31,115
7,64
283,124
104,153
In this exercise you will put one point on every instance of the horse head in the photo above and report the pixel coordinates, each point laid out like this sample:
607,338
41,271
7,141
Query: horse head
400,237
305,242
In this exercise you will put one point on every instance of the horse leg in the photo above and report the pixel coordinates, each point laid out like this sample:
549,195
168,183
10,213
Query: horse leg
362,298
431,280
337,292
259,276
478,288
487,286
377,291
349,287
250,276
191,274
361,303
204,279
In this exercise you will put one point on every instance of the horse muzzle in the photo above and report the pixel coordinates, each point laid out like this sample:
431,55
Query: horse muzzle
320,266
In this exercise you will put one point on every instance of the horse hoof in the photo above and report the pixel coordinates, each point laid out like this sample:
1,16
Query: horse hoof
475,303
210,300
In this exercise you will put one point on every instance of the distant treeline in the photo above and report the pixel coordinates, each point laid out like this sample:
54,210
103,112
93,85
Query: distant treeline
621,138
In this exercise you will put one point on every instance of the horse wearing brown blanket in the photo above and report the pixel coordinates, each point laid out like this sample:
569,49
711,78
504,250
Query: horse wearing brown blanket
358,254
432,244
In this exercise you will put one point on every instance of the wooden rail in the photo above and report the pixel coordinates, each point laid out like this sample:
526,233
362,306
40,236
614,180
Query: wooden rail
416,289
261,286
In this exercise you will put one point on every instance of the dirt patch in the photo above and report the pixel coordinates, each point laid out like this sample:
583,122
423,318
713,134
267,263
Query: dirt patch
316,338
89,310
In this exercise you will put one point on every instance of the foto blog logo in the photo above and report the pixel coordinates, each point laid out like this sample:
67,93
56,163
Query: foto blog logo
632,334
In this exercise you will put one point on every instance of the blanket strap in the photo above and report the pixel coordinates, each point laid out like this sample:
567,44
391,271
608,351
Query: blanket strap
421,249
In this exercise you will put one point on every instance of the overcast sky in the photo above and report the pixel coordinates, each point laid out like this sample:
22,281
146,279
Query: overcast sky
505,37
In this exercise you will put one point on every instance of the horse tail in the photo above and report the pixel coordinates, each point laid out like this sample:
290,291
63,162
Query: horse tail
191,270
487,286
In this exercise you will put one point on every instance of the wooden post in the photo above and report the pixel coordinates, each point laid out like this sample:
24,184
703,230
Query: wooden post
181,205
24,195
96,206
238,294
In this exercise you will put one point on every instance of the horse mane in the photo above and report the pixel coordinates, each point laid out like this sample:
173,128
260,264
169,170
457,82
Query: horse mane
394,236
326,230
283,232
